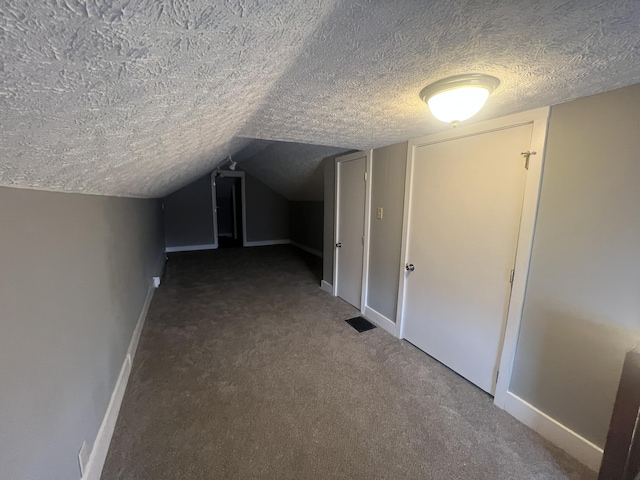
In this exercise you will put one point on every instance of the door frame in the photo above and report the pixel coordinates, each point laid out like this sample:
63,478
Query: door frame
367,154
229,173
539,119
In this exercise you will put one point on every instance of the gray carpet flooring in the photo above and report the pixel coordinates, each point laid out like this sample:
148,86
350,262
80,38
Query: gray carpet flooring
246,369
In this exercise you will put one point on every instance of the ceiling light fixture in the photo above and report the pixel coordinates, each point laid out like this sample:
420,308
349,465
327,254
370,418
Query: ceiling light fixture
218,172
232,164
458,98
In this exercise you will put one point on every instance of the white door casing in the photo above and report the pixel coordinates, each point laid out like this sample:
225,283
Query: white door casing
240,175
459,273
351,228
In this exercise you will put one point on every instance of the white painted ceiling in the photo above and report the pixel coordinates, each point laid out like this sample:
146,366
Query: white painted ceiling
140,97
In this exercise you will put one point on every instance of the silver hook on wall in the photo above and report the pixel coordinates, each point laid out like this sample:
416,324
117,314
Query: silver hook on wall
526,156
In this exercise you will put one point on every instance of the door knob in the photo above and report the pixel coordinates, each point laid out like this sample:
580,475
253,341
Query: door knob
409,267
339,244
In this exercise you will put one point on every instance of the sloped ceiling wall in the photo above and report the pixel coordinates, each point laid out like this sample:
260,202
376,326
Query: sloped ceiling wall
294,170
140,97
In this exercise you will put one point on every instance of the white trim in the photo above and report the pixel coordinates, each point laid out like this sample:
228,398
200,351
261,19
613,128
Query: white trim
240,175
336,216
380,320
539,119
399,331
191,248
509,121
327,287
336,197
558,434
103,439
367,229
310,250
264,243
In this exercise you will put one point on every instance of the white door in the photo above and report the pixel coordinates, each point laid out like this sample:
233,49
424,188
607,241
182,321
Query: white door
350,210
465,207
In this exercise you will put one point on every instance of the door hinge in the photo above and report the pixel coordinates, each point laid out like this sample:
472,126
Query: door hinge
511,275
497,375
365,176
526,156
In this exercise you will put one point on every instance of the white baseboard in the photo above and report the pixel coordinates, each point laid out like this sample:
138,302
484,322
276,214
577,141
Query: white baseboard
558,434
162,261
101,445
327,287
191,248
264,243
310,250
380,320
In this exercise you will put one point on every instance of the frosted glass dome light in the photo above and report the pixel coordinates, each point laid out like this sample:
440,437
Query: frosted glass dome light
458,98
458,104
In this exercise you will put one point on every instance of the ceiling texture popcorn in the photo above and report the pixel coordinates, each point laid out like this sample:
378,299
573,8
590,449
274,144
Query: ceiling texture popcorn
141,97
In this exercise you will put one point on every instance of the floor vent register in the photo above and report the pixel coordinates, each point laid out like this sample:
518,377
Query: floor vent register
361,324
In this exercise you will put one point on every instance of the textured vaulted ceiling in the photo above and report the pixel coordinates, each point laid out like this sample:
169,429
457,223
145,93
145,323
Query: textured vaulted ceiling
140,97
292,169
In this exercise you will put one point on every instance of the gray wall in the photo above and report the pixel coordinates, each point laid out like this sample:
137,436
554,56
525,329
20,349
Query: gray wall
267,212
582,308
328,249
188,215
306,224
75,273
387,191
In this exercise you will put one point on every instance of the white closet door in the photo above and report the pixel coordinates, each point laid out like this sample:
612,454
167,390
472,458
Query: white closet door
350,206
465,208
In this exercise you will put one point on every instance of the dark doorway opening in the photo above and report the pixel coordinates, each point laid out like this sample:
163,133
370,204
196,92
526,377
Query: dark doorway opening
229,211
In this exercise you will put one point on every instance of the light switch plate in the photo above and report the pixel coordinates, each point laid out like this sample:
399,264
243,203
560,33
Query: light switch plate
379,213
